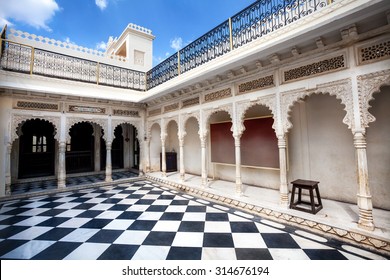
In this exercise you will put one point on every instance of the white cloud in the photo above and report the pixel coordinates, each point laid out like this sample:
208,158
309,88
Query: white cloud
177,43
101,46
36,13
102,4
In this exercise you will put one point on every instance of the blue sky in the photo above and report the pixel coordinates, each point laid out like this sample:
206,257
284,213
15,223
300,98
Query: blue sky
89,23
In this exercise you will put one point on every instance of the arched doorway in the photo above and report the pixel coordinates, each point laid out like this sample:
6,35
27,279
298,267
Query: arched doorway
36,149
80,150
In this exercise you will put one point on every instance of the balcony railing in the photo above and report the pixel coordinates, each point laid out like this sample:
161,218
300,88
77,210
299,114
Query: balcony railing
26,59
257,20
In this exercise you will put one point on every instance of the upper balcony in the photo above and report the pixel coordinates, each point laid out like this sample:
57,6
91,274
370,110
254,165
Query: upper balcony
258,21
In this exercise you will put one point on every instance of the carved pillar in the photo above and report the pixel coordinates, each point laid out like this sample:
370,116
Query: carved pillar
108,162
181,158
141,161
97,133
237,144
203,152
8,169
147,154
163,156
282,144
61,165
364,198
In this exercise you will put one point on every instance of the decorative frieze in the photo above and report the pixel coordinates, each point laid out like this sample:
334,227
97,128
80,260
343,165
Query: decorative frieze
260,83
86,109
128,113
154,112
221,94
36,106
316,68
375,52
190,102
171,107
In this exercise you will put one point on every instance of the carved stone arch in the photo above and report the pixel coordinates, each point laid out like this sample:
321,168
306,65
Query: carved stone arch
70,122
136,124
341,89
208,112
186,117
17,122
149,127
268,101
167,121
368,85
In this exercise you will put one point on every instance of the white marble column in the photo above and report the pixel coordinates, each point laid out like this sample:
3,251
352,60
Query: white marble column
61,180
181,158
237,144
8,169
163,157
203,153
140,157
108,162
147,154
364,199
282,144
97,135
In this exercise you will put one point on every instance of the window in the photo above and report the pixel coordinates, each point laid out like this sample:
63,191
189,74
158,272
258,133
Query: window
139,58
39,144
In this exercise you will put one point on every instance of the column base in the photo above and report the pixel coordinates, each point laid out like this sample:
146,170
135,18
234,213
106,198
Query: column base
204,182
283,200
61,185
239,189
182,177
7,190
108,179
366,220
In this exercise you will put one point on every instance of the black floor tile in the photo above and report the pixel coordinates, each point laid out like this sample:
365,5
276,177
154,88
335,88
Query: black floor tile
184,253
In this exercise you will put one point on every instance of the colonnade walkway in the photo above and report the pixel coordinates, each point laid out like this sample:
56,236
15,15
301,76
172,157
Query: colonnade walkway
336,220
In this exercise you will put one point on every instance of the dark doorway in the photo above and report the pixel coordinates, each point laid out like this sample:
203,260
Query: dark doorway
117,159
36,149
80,151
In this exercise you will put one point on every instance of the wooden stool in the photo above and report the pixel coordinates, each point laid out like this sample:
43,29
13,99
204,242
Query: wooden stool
310,186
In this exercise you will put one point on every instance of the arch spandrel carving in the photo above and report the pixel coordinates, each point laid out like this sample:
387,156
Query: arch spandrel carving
207,114
166,123
368,85
341,89
268,101
149,127
70,122
18,120
136,124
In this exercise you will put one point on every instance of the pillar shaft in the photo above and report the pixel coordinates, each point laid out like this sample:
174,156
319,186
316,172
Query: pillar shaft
282,144
108,162
61,181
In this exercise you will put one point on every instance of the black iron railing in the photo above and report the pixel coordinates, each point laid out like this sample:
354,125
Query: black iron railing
257,20
26,59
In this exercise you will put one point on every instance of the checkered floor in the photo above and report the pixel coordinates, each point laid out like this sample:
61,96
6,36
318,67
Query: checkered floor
141,220
36,186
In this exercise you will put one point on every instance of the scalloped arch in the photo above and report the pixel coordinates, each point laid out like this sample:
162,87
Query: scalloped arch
70,122
208,113
137,126
368,85
267,101
342,90
17,121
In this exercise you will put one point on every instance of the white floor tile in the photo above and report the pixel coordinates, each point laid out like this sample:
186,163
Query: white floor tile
29,250
217,227
74,223
32,221
87,251
80,235
119,224
194,217
31,233
176,209
151,253
150,216
171,226
248,240
102,206
135,237
109,215
288,254
188,239
218,254
70,213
